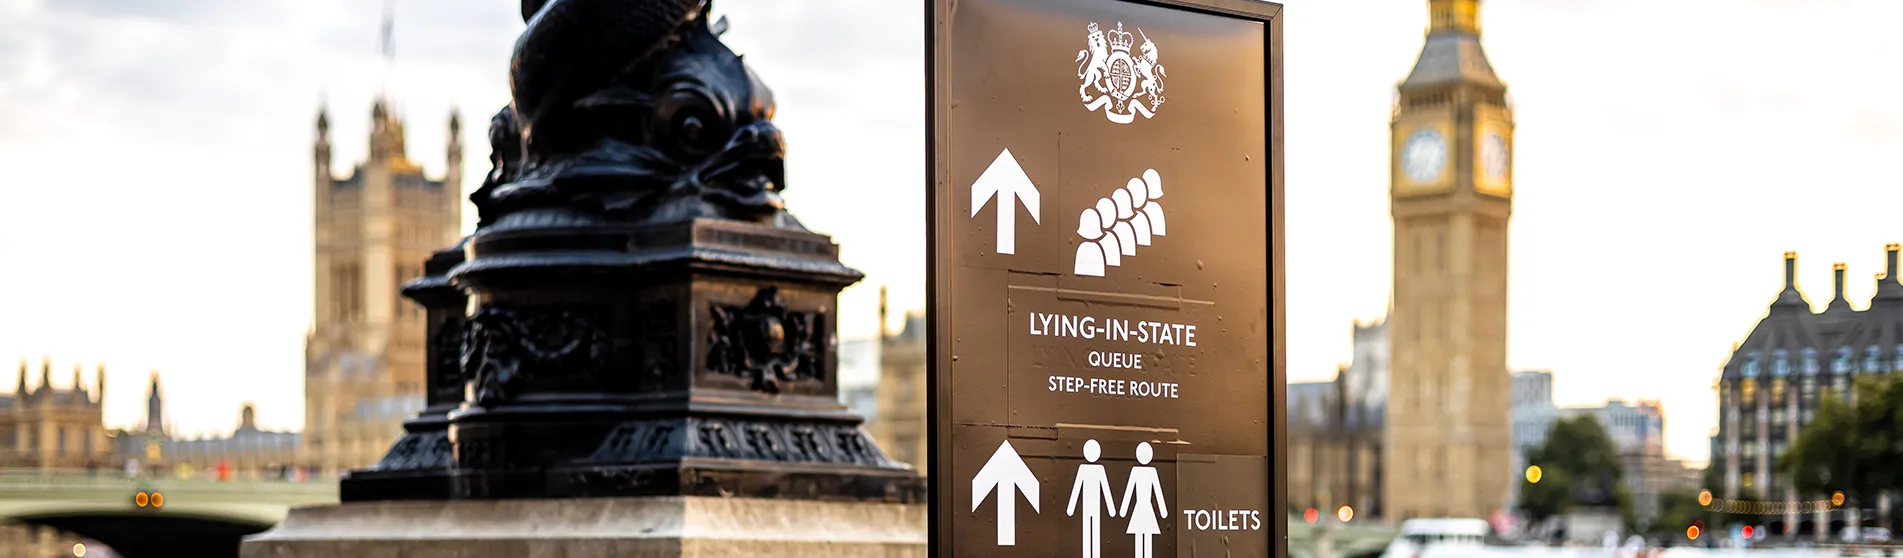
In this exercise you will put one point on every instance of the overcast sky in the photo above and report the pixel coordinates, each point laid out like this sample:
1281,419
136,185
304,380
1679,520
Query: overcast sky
157,207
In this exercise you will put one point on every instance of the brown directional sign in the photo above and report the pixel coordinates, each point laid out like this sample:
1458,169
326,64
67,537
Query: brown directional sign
1105,254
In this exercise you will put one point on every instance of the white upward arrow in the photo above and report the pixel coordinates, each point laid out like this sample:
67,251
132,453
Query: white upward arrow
1007,181
1007,472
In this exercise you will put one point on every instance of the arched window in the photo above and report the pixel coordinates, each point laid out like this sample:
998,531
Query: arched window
1841,364
1810,359
1780,363
1873,360
1750,368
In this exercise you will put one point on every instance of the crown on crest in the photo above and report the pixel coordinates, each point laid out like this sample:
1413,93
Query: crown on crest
1093,28
1120,39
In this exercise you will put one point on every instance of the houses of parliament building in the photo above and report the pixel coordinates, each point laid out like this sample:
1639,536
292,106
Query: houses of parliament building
364,355
44,427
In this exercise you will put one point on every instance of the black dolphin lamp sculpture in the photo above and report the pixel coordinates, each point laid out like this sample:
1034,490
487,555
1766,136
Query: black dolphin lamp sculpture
636,108
643,317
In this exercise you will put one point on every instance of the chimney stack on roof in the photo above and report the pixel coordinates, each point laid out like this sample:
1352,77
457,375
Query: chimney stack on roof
1889,266
1889,289
1790,299
1790,270
1837,269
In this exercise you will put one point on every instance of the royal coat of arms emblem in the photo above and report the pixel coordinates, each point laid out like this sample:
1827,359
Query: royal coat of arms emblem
1117,81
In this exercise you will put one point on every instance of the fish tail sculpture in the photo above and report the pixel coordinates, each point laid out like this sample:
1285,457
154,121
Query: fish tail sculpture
573,48
634,110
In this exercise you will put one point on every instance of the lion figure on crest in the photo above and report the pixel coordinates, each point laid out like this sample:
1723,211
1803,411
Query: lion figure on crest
1093,63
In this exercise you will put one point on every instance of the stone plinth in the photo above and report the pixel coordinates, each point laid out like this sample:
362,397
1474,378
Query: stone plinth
623,527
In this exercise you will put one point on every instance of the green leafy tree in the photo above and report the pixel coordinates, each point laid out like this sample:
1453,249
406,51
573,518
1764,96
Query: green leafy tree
1579,467
1853,448
1678,511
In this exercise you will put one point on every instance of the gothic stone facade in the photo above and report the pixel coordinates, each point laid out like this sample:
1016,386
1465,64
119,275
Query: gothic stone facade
1450,442
365,353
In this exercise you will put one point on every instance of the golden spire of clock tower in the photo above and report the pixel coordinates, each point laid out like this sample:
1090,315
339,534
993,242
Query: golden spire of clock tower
1453,16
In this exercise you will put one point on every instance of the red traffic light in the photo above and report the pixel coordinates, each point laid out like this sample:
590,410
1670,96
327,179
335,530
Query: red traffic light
1747,531
1311,515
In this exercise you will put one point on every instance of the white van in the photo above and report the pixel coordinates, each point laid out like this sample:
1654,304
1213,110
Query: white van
1417,536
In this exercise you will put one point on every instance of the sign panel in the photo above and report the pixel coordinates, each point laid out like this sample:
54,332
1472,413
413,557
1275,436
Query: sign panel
1105,192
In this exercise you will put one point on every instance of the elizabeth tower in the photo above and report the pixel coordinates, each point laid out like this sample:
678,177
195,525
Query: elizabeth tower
1451,193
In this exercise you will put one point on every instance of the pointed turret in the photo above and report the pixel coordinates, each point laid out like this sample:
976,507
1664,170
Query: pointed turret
884,330
19,391
46,377
386,134
100,378
79,386
247,417
453,172
320,149
154,409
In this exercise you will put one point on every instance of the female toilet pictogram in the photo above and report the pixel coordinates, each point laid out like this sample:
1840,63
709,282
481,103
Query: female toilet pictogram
1144,484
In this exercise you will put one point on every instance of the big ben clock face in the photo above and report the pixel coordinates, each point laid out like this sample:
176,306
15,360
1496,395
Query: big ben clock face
1424,156
1493,157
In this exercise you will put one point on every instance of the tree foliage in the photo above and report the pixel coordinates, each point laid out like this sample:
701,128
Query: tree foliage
1678,510
1579,467
1856,448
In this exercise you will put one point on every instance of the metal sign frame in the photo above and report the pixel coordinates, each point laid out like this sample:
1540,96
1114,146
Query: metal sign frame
938,194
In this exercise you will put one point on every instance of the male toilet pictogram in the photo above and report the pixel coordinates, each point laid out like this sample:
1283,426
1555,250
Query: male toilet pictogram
1093,485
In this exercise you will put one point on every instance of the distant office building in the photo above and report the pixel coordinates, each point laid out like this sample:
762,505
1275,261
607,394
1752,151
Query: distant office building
859,370
862,401
900,424
1638,433
858,363
1532,413
364,356
1774,381
1336,432
51,428
1366,379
